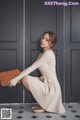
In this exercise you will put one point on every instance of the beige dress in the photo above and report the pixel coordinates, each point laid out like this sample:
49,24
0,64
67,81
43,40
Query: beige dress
45,89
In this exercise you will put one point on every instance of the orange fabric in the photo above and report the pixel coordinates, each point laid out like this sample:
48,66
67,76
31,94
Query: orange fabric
5,77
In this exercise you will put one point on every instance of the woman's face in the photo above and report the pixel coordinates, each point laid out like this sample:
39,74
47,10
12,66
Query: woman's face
44,43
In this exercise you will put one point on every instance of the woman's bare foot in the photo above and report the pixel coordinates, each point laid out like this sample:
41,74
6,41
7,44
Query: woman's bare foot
38,110
35,107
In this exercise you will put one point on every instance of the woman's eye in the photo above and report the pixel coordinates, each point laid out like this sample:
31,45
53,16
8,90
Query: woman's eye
46,39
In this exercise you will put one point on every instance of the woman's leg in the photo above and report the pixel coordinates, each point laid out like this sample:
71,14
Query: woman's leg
25,83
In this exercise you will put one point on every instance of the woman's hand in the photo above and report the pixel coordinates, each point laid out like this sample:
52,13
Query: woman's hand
12,82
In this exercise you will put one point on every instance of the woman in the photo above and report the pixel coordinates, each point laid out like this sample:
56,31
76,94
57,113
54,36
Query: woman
45,89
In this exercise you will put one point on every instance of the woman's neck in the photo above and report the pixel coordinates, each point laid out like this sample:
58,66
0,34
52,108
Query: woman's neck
45,49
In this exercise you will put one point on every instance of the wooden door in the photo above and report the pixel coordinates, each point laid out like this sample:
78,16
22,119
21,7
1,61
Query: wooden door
72,53
38,19
11,50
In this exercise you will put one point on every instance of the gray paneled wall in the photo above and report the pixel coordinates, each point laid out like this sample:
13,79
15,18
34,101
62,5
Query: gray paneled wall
22,23
11,49
38,19
72,53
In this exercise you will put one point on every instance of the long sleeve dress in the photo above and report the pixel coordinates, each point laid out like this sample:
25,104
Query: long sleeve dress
45,89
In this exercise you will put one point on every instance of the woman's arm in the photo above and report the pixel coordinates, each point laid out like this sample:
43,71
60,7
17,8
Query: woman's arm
41,61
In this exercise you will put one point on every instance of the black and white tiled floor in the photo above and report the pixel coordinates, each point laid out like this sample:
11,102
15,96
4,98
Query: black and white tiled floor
24,112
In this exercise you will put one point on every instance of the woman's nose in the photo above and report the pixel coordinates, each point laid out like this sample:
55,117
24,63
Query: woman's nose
43,40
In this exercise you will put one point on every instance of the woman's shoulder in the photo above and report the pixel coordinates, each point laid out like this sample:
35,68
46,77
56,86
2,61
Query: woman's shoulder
49,53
